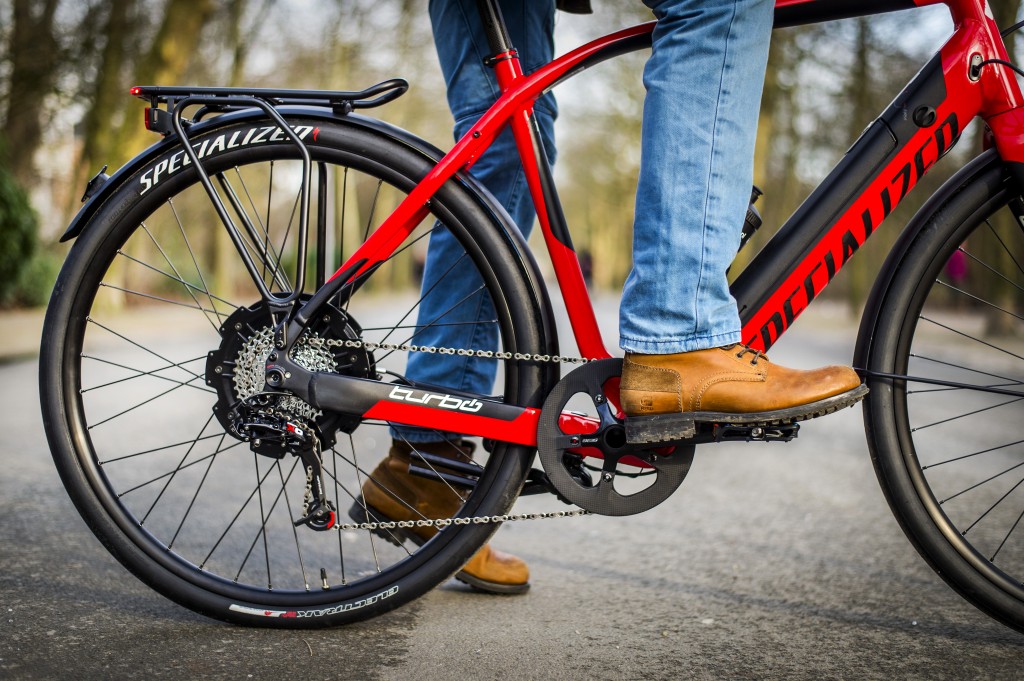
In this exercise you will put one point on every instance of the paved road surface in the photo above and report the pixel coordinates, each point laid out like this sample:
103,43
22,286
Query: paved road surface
771,561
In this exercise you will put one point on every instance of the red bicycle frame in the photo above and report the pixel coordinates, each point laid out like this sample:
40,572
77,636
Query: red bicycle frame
919,127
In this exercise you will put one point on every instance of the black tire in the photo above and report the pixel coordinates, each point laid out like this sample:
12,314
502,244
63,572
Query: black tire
128,402
949,308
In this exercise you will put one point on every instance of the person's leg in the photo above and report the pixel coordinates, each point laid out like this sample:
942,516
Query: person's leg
678,322
452,315
453,312
704,81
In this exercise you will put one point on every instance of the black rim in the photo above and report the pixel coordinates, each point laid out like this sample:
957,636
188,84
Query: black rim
959,446
201,452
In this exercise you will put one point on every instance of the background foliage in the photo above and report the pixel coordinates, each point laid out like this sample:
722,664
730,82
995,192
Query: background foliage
66,66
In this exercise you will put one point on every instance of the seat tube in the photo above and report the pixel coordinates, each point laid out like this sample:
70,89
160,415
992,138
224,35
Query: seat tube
537,165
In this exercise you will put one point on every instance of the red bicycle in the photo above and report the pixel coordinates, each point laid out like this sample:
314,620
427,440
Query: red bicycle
218,374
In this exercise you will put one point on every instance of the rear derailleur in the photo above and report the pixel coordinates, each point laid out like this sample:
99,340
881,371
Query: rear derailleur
274,432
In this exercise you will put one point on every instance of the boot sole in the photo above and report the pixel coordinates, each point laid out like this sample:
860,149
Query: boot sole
361,513
674,427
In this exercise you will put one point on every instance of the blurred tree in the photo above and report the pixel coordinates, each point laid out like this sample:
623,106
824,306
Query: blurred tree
18,226
34,58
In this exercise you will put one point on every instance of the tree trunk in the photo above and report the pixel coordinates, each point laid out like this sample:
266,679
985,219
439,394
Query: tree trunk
33,55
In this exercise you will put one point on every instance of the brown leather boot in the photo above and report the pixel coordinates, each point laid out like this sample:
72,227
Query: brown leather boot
392,494
665,396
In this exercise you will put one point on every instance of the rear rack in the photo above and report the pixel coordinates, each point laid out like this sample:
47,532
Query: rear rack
222,99
169,121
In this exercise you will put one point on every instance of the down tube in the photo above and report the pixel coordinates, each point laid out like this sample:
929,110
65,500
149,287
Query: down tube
876,174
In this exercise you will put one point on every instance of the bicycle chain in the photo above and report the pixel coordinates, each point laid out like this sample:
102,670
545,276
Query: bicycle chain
461,352
476,520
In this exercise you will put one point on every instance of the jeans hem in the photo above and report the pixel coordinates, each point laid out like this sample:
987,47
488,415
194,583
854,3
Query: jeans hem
674,345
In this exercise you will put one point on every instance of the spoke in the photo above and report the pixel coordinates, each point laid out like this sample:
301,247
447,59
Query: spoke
256,242
980,300
195,496
1003,244
1003,543
295,530
142,347
373,209
157,449
213,298
262,532
263,522
966,368
161,477
435,321
195,262
414,326
357,499
139,374
423,296
967,456
174,269
970,337
992,270
177,468
979,484
990,508
355,464
140,404
245,503
432,469
337,505
159,299
970,413
284,242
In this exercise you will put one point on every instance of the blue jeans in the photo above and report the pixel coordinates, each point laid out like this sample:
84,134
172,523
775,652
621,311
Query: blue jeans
704,80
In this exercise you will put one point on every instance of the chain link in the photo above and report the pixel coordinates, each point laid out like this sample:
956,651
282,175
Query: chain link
445,522
461,352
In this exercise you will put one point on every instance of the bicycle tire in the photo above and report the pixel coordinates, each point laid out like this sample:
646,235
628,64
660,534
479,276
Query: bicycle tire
946,309
148,254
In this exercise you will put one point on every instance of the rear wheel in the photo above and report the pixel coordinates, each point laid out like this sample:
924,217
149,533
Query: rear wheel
947,442
156,332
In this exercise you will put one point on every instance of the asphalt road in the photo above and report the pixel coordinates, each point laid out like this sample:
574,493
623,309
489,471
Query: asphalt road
771,561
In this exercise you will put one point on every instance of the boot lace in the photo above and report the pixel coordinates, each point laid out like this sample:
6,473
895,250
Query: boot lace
743,350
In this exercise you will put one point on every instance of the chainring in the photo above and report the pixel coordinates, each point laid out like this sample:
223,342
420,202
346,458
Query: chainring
563,454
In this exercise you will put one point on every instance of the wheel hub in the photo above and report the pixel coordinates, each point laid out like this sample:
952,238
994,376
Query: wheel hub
273,422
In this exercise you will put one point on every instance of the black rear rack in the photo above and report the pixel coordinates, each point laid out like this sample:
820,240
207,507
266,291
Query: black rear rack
169,121
221,99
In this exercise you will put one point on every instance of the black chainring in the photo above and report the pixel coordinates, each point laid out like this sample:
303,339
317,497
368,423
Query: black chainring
243,416
562,454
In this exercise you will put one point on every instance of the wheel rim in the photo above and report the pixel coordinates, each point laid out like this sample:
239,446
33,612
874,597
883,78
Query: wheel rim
960,446
200,502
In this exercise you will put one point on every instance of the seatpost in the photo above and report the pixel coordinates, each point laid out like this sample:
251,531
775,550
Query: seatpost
504,59
494,26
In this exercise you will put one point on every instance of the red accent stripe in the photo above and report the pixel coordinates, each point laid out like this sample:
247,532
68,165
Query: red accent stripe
521,430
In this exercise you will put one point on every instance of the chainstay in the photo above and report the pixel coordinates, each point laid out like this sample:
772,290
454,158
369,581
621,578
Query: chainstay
445,522
461,352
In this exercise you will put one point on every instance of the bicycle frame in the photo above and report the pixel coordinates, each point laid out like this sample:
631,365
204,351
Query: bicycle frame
895,151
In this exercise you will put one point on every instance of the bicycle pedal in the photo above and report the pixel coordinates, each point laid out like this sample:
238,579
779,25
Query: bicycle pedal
779,432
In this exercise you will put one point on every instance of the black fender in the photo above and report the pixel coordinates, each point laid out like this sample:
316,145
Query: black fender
980,165
527,262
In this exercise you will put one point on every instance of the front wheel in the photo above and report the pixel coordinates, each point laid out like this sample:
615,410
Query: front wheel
946,371
156,333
